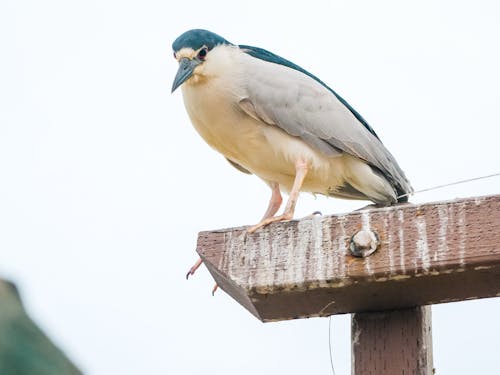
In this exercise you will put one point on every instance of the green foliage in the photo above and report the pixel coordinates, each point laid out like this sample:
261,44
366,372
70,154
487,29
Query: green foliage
24,348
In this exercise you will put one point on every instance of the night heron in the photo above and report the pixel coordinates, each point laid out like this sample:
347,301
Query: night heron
271,118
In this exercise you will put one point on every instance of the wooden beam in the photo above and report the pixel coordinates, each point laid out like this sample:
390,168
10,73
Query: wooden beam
429,253
392,342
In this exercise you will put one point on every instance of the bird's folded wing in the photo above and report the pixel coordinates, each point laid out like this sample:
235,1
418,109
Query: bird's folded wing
238,167
301,106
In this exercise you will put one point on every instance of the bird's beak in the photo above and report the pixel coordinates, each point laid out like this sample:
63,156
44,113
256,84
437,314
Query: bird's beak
186,68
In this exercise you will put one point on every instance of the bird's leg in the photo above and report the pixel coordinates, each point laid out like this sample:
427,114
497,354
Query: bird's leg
214,289
301,169
274,205
193,269
300,174
274,202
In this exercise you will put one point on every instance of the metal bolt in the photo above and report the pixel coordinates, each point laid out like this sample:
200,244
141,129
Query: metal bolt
364,243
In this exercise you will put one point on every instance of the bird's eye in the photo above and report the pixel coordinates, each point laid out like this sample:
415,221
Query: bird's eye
203,53
175,56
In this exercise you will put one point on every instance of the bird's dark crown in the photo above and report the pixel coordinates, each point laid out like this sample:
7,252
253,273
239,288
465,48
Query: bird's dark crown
198,38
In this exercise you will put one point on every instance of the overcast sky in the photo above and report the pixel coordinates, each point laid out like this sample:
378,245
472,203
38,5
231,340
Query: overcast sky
104,184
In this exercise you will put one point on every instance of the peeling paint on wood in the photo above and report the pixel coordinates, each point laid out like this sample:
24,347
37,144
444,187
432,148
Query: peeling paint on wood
390,240
442,247
428,253
401,241
422,244
462,227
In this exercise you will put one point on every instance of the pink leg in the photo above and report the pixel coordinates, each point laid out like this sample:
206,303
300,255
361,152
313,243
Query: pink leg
214,289
274,202
300,174
194,268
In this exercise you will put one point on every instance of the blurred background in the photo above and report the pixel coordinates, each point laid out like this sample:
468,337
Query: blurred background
104,184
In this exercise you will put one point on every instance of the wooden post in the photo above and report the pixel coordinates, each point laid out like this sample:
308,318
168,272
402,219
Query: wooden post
420,255
392,342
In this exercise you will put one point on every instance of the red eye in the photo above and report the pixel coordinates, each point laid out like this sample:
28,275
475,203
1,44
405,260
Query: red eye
202,54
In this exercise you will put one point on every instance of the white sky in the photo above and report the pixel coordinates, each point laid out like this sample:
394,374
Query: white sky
104,184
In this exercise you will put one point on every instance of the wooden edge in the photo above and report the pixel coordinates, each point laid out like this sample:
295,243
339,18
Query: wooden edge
430,253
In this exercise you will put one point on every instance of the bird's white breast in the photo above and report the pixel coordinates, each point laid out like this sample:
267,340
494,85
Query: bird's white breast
267,151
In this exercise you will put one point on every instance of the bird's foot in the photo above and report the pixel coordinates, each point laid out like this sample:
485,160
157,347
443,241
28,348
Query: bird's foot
367,207
193,269
315,213
270,220
214,289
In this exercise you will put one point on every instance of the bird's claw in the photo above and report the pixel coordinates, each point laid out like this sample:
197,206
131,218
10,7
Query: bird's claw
193,269
270,220
315,213
214,289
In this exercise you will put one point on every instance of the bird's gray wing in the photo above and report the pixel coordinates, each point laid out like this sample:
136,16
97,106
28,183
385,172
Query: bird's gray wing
303,107
238,167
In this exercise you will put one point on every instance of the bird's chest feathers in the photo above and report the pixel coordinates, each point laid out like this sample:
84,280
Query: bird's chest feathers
213,110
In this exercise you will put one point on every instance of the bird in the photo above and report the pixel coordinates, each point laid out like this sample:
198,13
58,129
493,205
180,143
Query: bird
271,118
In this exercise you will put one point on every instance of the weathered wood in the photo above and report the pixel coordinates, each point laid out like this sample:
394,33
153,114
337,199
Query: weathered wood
429,253
392,342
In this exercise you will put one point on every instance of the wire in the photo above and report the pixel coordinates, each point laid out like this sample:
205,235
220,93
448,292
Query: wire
401,196
330,343
450,184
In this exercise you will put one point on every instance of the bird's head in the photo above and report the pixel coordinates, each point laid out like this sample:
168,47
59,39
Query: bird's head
192,50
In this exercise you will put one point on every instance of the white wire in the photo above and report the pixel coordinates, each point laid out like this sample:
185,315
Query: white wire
450,184
330,343
401,196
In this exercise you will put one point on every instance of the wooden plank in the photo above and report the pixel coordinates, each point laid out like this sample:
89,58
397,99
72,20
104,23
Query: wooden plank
428,253
392,342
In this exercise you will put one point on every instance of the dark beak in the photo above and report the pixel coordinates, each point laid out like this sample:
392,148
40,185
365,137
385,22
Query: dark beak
186,68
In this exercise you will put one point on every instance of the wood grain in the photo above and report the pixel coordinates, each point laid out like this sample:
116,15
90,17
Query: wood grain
392,342
429,253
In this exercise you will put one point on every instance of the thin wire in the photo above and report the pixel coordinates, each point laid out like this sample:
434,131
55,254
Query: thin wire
450,184
330,343
401,196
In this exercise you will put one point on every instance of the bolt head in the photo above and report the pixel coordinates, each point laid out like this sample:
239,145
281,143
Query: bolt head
364,243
